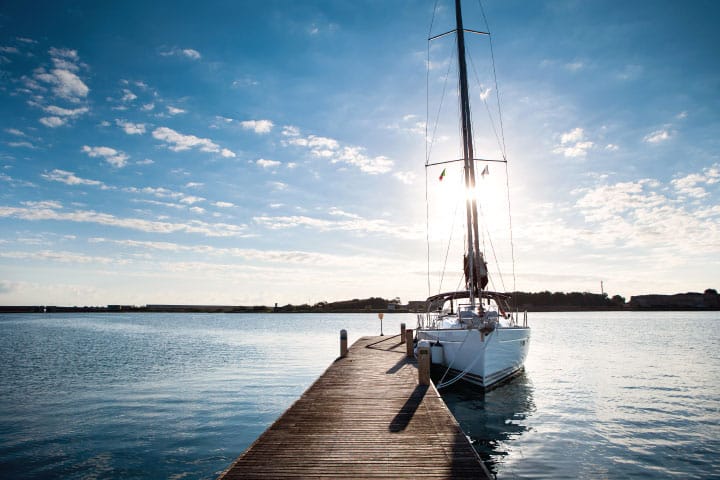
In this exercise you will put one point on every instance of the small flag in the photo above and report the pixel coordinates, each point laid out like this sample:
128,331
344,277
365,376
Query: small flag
486,171
442,175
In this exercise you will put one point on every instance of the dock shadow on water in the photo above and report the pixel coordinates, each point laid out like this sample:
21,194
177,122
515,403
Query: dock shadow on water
407,411
492,418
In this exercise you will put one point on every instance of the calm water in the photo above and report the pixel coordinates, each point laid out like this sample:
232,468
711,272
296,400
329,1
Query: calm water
606,395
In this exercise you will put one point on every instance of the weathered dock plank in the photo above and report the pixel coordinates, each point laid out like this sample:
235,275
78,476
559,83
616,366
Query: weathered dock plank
365,417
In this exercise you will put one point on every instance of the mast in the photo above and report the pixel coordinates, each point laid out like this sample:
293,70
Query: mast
475,266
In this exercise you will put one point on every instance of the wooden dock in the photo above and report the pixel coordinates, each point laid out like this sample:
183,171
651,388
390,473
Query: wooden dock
365,417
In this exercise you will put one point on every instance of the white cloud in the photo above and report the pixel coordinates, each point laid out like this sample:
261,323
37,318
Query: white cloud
131,128
37,211
128,96
113,157
227,153
65,84
341,213
405,177
348,222
53,122
190,199
665,223
182,52
159,192
174,110
657,136
16,132
573,135
267,163
278,185
65,112
22,144
69,178
612,147
691,185
572,144
328,148
258,126
70,55
191,53
224,204
290,131
178,142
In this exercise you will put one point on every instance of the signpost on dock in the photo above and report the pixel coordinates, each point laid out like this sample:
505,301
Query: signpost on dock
380,316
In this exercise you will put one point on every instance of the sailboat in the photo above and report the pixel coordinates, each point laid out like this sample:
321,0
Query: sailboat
473,334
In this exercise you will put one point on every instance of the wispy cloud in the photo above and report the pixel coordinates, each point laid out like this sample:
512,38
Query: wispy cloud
177,142
347,222
405,177
665,222
113,157
65,112
190,53
69,178
657,136
330,149
692,185
37,211
175,110
574,66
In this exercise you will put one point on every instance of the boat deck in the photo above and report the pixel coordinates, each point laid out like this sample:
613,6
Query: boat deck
365,417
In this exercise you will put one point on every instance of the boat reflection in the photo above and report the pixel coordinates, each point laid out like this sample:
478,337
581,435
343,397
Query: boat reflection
494,418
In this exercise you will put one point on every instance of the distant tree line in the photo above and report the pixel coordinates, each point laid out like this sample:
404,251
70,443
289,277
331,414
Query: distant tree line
355,305
547,301
525,300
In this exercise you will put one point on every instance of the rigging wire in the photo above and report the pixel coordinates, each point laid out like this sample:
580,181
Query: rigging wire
447,252
504,149
427,146
492,248
430,139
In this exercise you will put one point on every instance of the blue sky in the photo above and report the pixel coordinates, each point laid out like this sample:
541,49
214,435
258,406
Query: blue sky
273,151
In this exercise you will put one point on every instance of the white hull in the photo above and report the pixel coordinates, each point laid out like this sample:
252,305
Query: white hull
483,360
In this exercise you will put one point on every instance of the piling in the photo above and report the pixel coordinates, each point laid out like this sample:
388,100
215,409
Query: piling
424,365
343,343
402,333
409,342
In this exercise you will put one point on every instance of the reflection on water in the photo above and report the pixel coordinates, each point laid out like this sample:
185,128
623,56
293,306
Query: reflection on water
492,419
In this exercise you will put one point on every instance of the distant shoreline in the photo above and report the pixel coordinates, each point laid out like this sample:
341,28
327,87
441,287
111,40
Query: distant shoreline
545,301
245,310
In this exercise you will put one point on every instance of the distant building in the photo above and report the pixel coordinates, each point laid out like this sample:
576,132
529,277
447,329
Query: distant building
679,301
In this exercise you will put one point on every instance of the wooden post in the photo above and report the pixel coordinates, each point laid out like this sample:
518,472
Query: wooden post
409,342
402,333
343,343
424,365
